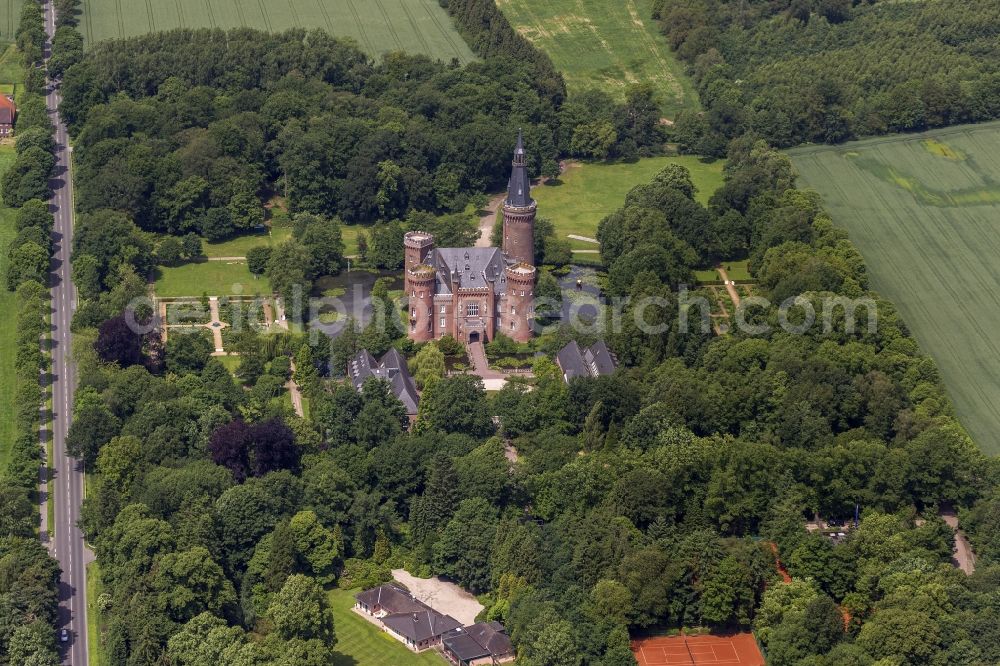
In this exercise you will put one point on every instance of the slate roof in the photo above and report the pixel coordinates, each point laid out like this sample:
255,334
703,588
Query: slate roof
421,625
593,361
519,185
392,368
485,639
470,267
391,598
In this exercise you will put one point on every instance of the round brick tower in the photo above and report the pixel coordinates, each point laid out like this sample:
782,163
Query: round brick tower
519,302
420,290
519,211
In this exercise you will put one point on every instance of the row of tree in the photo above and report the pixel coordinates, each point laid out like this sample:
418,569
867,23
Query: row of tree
29,576
795,71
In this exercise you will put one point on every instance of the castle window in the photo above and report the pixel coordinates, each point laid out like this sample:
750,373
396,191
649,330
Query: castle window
442,323
444,309
472,309
512,325
513,310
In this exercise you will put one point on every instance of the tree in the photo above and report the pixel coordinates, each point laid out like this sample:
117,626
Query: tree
169,251
245,209
258,258
33,645
428,365
28,261
464,547
34,213
555,646
456,404
118,343
93,426
323,239
300,611
288,271
317,545
188,353
434,508
189,583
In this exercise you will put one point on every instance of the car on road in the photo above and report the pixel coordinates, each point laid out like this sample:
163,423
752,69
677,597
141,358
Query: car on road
63,636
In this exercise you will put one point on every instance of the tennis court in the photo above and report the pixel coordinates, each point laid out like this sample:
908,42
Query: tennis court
729,649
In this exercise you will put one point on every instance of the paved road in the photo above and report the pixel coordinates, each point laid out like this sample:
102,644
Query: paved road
68,546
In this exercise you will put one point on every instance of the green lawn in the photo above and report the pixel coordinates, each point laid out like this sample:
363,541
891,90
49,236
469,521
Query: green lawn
238,246
378,26
360,643
11,68
604,45
216,278
924,210
95,650
590,191
8,324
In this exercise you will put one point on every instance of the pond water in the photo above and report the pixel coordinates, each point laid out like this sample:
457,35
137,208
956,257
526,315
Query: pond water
349,295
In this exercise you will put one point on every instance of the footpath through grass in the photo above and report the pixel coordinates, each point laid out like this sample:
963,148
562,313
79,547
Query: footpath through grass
604,45
8,324
924,209
361,643
588,191
378,26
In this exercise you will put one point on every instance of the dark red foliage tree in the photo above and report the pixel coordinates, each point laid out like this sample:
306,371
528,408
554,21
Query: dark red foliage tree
254,449
274,448
229,446
118,343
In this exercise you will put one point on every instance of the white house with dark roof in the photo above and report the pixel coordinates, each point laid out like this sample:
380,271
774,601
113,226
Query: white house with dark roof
405,618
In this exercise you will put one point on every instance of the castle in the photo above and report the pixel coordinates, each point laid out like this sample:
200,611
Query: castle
474,293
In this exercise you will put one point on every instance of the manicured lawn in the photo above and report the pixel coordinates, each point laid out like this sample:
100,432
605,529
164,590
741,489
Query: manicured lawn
11,67
360,643
8,324
604,45
231,363
216,278
240,245
591,190
924,210
417,26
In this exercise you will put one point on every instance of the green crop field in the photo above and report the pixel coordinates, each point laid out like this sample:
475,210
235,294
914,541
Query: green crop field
924,210
8,338
587,191
360,643
605,45
417,26
10,14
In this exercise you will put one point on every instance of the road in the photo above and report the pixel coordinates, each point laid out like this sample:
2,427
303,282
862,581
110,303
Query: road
68,546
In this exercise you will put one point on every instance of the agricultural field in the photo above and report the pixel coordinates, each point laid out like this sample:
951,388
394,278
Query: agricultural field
588,191
924,210
604,45
378,26
10,14
361,643
8,333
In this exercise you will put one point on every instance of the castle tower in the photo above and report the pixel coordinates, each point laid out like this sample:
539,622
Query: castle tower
416,246
519,211
420,290
518,314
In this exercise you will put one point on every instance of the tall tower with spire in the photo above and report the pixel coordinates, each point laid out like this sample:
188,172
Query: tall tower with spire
519,211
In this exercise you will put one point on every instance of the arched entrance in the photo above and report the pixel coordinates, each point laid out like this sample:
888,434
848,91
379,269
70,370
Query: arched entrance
474,336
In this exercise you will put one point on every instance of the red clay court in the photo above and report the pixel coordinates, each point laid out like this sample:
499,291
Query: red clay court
729,650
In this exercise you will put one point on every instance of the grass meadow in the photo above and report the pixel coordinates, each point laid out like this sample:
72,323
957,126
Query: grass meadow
378,26
10,15
604,45
216,278
8,332
360,643
587,191
924,210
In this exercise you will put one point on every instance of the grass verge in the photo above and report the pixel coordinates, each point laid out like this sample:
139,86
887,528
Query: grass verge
361,643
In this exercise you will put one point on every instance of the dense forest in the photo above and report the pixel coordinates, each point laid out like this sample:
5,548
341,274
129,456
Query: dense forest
796,71
659,496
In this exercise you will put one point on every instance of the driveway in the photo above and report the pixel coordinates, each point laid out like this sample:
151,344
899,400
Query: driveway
442,596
